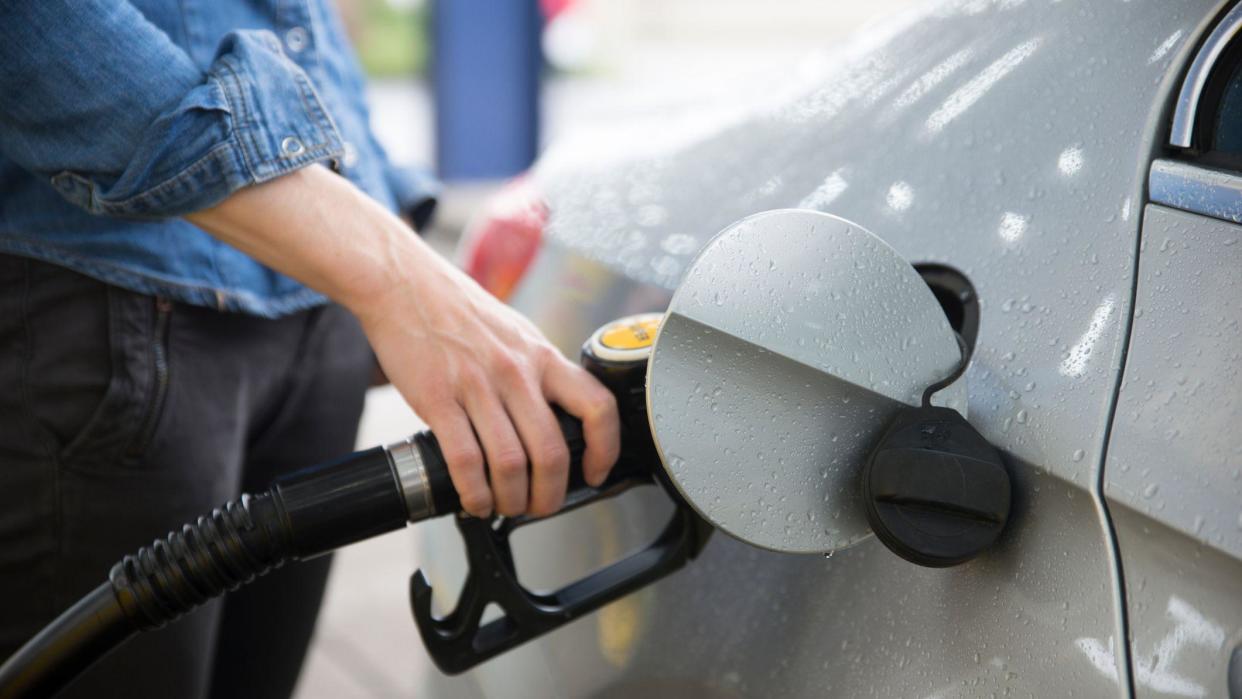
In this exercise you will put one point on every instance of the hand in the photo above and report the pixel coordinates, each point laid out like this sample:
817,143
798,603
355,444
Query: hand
469,366
478,372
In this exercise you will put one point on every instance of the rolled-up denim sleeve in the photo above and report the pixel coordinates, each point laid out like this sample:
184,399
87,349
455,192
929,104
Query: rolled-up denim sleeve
415,190
122,122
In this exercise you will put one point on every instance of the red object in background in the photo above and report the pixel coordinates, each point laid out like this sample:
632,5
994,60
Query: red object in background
552,8
499,245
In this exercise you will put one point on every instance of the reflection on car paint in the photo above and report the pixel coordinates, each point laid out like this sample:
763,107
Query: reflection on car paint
1012,226
679,244
1165,46
825,193
1154,670
900,196
931,79
1070,161
978,86
1075,363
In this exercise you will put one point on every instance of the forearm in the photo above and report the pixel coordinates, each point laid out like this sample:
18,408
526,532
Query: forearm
316,227
479,373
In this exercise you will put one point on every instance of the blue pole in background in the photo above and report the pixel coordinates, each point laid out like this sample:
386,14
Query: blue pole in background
485,74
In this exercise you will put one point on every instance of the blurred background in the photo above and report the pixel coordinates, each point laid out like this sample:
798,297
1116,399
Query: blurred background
474,91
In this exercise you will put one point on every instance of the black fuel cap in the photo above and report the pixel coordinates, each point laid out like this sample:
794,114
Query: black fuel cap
937,493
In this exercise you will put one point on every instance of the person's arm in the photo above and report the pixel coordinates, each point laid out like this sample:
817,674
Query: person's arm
121,121
465,362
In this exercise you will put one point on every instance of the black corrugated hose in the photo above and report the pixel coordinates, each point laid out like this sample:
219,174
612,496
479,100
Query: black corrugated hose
302,515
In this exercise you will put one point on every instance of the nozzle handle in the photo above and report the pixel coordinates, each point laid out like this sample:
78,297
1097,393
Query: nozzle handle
461,639
616,355
440,490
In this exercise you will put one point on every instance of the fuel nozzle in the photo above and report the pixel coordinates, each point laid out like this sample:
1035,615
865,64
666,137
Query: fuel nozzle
617,355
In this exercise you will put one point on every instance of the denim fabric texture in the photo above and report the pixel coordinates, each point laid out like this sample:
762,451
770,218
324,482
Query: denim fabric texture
117,117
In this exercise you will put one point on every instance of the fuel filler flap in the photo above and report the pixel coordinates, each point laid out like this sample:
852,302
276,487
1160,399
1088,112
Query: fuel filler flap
790,344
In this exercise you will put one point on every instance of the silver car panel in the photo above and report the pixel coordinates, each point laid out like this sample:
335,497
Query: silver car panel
1174,473
1183,601
1010,140
1175,455
1030,619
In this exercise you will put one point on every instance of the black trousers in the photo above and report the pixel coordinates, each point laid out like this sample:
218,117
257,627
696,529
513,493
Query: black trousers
123,416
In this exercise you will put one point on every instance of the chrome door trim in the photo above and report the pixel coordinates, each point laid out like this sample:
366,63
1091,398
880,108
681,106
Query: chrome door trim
1200,190
1185,113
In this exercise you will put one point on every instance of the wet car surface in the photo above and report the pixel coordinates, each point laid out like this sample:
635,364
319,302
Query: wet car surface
1017,143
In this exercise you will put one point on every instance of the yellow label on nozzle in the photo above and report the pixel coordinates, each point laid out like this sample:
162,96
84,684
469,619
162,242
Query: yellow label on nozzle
631,333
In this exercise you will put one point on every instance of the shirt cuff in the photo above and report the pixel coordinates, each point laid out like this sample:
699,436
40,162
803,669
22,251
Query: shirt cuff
415,191
256,117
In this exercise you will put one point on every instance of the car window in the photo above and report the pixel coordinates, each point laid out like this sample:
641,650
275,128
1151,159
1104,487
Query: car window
1207,118
1202,171
1226,122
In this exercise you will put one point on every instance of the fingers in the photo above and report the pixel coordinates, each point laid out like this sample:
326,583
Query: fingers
506,459
545,444
581,395
465,460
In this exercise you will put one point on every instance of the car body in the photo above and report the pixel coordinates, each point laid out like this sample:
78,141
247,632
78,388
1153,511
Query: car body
1030,146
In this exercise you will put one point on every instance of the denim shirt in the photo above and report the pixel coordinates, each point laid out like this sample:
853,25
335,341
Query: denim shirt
117,117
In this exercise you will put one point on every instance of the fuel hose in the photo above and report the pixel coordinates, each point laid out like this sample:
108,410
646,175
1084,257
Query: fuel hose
301,516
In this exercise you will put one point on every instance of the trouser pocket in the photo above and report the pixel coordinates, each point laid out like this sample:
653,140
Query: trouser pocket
153,408
94,365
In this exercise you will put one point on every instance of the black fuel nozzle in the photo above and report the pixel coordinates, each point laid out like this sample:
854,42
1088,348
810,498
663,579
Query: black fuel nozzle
616,355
